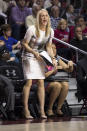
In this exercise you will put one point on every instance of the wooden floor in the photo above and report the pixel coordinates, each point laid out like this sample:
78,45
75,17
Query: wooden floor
57,124
75,123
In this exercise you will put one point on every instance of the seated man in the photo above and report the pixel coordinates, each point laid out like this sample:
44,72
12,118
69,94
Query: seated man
31,19
79,41
57,89
7,91
81,76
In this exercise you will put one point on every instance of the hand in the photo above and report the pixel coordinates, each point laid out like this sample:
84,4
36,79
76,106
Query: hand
20,23
36,54
64,39
38,57
55,70
12,59
54,62
18,45
70,63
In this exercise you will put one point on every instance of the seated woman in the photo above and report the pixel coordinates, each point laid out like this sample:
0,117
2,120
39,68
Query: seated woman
62,33
57,89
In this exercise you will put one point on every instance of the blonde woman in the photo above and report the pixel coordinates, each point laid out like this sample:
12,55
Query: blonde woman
62,33
36,38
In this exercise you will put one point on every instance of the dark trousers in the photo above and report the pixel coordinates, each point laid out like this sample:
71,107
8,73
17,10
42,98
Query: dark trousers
7,91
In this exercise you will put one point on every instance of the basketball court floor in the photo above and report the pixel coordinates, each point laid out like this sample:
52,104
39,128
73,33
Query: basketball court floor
51,124
73,123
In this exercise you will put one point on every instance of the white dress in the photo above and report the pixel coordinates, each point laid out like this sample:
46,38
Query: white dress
32,68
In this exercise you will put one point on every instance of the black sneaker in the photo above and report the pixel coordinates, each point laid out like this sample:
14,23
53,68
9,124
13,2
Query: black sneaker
11,116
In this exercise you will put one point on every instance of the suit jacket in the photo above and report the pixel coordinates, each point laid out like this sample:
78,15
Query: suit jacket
81,76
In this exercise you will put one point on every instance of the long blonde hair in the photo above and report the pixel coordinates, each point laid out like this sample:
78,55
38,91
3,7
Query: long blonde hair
48,27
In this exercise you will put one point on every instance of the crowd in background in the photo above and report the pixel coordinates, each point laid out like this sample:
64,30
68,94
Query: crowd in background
65,15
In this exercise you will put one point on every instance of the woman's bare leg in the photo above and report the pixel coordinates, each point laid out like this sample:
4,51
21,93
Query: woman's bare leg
54,91
26,92
41,96
62,96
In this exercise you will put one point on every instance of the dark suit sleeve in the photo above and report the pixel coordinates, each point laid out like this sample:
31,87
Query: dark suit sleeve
80,75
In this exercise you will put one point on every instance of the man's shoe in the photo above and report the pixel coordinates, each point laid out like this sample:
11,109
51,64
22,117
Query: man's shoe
11,116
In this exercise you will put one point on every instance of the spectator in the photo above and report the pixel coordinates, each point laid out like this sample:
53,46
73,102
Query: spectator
84,14
80,21
69,15
64,4
79,40
47,4
57,89
12,3
7,91
31,19
54,16
18,15
53,3
5,56
10,42
81,76
2,21
3,6
30,3
40,3
62,34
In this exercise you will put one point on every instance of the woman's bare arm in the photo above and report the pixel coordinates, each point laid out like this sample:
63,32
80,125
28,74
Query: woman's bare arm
67,67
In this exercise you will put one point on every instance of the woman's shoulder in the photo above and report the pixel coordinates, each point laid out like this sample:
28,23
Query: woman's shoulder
31,30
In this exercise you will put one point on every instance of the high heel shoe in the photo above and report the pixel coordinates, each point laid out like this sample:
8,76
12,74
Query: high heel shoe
43,116
27,115
59,113
50,113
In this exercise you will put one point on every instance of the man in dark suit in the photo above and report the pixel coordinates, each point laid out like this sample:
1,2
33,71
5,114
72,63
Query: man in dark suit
79,41
7,91
81,77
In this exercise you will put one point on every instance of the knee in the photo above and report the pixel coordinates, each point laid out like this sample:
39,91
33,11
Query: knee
66,86
41,83
57,85
28,83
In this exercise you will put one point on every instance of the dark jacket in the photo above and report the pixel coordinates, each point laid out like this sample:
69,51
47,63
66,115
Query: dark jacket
81,44
81,77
